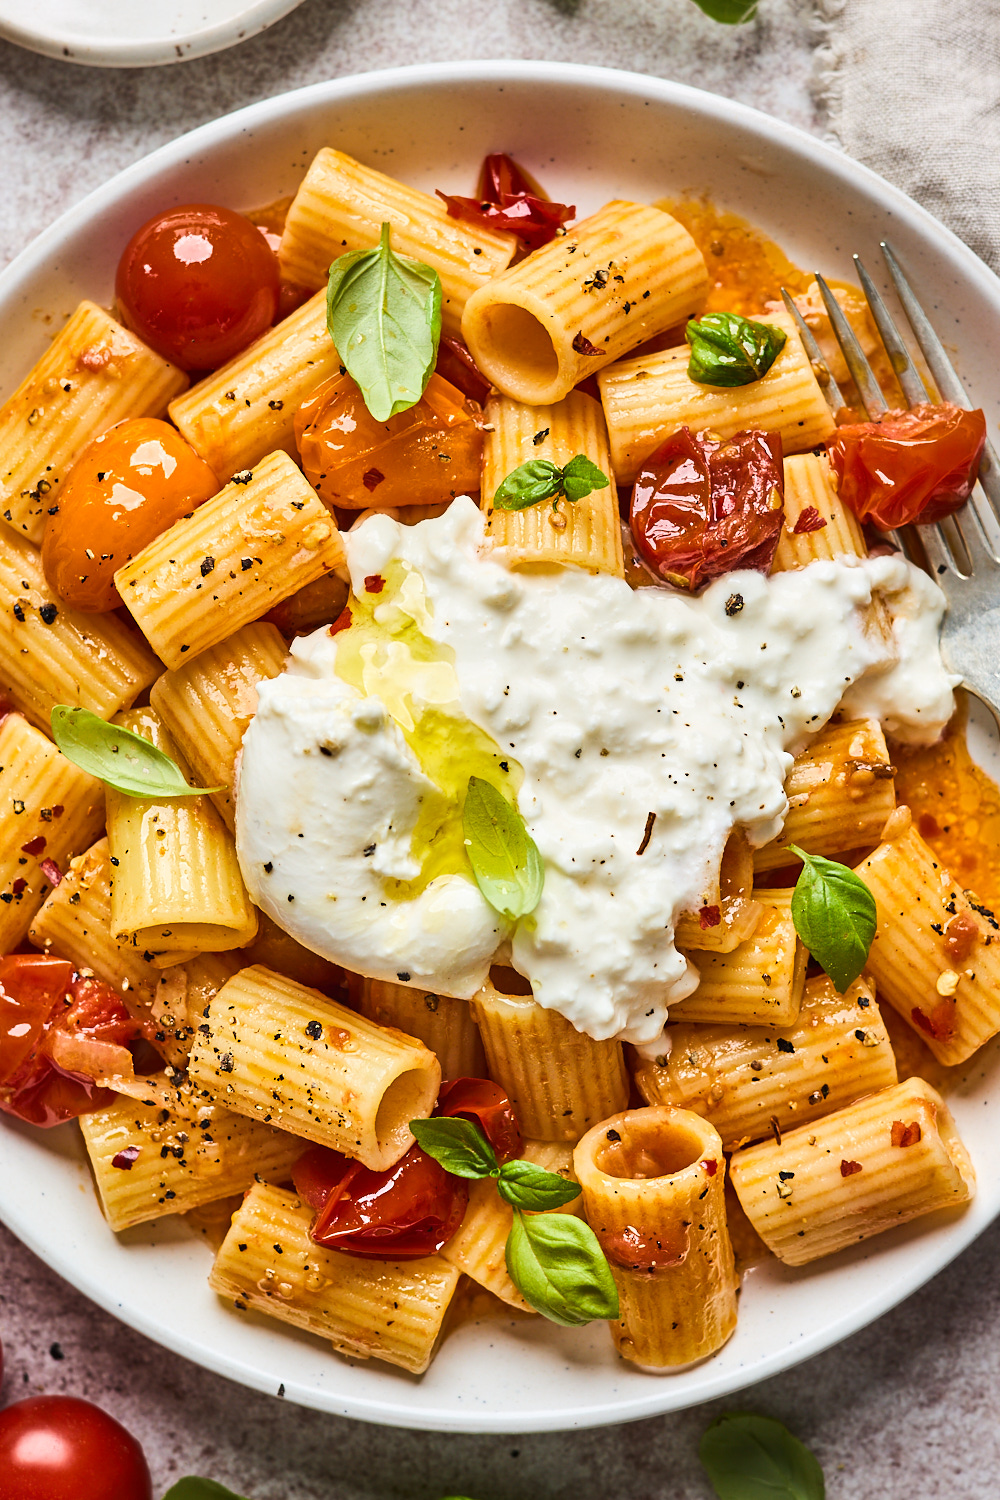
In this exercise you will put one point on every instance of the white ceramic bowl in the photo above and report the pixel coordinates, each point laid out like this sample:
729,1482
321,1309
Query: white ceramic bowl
589,135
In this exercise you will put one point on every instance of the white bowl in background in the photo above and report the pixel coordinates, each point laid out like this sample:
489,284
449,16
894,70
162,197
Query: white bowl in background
589,135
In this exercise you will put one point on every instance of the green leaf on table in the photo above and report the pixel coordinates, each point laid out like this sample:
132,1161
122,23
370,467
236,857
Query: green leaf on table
383,312
727,350
504,857
756,1458
199,1489
523,1185
729,12
556,1263
123,760
459,1146
834,915
539,479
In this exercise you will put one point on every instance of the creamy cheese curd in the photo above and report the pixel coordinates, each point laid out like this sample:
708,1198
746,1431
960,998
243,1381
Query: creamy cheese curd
609,703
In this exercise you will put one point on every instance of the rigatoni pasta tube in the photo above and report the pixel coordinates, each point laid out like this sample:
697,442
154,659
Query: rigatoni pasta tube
570,308
559,1080
648,398
586,533
207,703
261,539
190,1152
759,981
884,1160
275,1050
341,206
809,487
444,1024
840,794
369,1309
93,374
936,953
176,889
51,653
728,914
246,410
743,1078
50,811
653,1185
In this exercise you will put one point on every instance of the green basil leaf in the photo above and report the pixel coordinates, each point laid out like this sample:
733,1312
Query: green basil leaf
729,350
559,1268
383,313
118,757
199,1489
580,477
523,1185
729,12
504,857
834,915
458,1145
756,1458
532,482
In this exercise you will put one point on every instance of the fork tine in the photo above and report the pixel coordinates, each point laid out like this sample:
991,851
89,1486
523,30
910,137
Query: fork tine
830,388
862,373
904,369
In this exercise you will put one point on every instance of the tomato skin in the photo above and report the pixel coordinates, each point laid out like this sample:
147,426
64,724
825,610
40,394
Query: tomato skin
508,200
410,1210
62,1448
127,487
702,507
909,466
485,1104
198,284
30,988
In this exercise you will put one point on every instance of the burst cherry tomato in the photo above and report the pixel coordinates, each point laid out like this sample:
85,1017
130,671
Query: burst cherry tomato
412,1209
702,507
484,1104
508,200
61,1448
198,284
917,465
123,491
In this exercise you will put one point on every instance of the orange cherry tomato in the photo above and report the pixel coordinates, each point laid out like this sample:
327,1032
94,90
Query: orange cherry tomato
123,491
419,457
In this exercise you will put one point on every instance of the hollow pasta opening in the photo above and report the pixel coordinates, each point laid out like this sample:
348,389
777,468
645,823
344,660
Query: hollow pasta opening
515,349
407,1097
648,1145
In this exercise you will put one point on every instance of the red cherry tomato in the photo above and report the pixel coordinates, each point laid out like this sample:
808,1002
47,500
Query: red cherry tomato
126,488
702,507
198,284
485,1104
508,200
61,1448
412,1209
917,465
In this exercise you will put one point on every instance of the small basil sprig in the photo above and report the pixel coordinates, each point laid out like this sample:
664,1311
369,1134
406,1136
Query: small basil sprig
504,857
383,312
834,915
193,1488
756,1458
728,350
118,757
729,12
553,1260
539,479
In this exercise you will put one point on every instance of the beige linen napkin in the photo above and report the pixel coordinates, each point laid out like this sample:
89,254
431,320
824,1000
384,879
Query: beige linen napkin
912,89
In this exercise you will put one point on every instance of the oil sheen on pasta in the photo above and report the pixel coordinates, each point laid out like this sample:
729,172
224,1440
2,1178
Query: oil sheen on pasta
611,704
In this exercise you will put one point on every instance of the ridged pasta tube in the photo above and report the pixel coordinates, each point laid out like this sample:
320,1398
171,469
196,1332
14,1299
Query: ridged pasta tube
728,915
369,1309
654,1192
559,1080
809,486
444,1024
277,1051
574,306
880,1162
759,981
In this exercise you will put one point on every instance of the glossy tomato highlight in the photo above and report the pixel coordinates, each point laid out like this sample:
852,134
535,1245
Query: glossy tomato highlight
485,1104
198,284
407,1211
509,200
61,1448
127,487
909,466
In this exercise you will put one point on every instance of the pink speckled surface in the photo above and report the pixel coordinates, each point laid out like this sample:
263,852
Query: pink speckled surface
906,1410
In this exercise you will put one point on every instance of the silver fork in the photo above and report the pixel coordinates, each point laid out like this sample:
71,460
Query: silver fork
963,551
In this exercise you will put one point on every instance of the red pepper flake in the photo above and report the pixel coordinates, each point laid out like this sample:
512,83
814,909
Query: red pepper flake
711,1167
709,916
961,936
51,871
848,1168
20,884
582,345
927,826
372,479
374,583
58,810
123,1161
940,1024
35,845
905,1135
809,520
342,621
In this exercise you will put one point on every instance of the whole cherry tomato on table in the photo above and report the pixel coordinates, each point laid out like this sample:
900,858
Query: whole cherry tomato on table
61,1448
127,487
198,284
